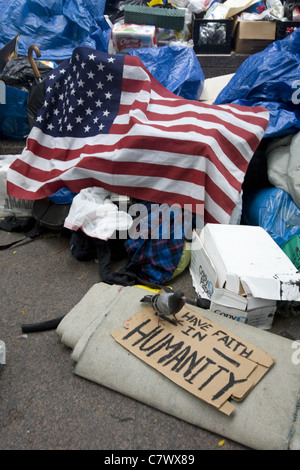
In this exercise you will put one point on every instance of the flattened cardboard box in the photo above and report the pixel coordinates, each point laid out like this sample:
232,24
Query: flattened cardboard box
198,355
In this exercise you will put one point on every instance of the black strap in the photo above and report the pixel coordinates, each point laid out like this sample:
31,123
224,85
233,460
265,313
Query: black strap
41,326
34,233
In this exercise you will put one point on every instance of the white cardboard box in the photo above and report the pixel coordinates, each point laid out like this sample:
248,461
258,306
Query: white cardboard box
245,309
243,272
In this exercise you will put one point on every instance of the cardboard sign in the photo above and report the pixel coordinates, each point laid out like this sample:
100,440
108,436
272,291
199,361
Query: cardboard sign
198,355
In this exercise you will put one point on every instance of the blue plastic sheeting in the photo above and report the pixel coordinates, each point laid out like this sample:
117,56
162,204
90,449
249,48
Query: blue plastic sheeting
55,26
275,211
62,196
270,78
176,67
13,115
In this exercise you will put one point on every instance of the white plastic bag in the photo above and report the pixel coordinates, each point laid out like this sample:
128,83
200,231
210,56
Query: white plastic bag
96,215
197,6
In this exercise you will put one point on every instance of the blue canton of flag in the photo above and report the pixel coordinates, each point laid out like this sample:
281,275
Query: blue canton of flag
82,95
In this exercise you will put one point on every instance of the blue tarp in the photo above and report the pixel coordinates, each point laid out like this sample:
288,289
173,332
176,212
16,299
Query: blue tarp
55,26
13,115
275,211
270,78
176,67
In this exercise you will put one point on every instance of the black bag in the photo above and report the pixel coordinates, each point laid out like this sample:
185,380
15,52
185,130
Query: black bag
46,215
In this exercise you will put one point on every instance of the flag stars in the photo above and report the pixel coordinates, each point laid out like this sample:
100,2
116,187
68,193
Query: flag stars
91,75
79,96
90,93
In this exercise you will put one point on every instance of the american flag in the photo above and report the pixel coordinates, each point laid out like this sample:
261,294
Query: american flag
106,121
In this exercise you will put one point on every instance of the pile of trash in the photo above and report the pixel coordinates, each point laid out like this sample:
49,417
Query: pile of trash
248,135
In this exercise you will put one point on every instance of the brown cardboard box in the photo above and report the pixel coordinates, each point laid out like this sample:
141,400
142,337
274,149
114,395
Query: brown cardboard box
254,36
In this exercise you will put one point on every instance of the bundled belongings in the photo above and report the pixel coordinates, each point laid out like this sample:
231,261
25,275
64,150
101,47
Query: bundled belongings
107,122
270,78
56,25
